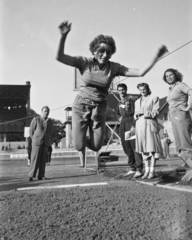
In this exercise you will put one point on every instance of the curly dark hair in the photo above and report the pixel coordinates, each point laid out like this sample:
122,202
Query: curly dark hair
146,87
102,39
178,75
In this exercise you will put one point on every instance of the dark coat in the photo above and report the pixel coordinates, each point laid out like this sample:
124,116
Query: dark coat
29,143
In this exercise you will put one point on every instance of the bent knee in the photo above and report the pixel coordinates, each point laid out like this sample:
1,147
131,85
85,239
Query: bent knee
95,148
79,146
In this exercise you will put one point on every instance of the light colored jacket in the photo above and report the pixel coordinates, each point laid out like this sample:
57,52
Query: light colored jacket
40,131
147,128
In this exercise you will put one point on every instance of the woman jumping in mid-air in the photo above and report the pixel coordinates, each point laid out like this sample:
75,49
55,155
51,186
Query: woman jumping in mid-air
97,73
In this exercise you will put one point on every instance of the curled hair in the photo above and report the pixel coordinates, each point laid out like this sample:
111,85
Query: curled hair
123,85
146,86
46,108
102,39
177,74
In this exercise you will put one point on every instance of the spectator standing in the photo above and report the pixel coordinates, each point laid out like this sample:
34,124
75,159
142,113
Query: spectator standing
147,131
125,112
40,133
180,104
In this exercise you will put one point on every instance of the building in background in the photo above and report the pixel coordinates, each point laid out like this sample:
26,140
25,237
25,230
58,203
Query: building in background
14,109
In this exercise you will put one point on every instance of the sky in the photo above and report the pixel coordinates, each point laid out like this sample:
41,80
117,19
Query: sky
29,38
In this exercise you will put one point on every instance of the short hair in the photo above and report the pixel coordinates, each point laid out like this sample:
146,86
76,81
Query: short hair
178,75
46,108
93,46
123,85
146,87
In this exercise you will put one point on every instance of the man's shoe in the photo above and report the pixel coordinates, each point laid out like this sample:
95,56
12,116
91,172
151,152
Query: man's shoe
42,178
138,174
130,172
30,179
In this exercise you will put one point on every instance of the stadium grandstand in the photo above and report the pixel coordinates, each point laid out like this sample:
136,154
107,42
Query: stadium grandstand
14,109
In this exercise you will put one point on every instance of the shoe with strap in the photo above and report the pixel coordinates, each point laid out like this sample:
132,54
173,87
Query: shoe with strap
146,173
151,175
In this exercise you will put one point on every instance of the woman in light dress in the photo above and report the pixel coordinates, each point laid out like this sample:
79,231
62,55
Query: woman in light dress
148,141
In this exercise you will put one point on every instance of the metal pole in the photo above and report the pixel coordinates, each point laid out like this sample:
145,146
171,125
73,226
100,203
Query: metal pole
111,136
113,131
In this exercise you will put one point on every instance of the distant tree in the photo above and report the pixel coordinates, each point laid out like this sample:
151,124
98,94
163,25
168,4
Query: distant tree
58,131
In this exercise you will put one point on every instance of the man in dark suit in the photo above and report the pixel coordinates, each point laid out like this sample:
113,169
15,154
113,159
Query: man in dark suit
40,133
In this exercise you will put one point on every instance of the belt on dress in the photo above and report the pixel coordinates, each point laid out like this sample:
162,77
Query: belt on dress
140,115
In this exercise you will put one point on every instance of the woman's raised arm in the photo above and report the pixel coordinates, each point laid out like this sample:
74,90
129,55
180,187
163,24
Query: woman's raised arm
142,71
65,28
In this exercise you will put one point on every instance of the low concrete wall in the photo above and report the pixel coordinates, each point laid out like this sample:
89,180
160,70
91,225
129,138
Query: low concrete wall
63,153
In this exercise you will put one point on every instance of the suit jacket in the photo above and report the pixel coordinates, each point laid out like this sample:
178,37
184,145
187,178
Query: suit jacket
40,131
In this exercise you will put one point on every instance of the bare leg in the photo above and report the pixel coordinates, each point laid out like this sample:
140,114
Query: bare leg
97,164
97,161
146,163
82,155
152,167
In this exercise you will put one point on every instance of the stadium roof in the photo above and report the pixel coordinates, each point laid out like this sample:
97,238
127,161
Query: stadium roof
11,95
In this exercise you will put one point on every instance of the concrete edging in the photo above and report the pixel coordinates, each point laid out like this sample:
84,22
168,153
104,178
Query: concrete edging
63,186
168,186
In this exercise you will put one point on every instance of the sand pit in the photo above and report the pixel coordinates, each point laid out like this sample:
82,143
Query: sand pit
121,210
